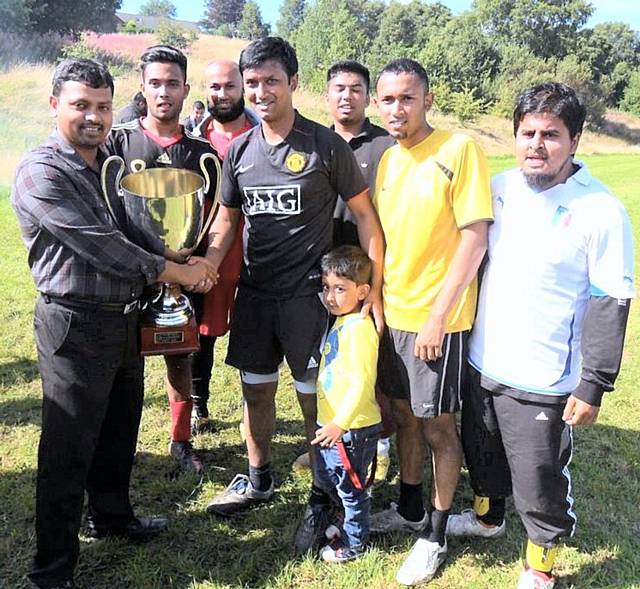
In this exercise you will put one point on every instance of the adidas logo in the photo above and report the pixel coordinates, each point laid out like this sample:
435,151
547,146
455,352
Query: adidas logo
542,416
313,363
164,159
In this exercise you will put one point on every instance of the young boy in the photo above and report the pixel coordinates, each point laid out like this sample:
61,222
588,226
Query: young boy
348,415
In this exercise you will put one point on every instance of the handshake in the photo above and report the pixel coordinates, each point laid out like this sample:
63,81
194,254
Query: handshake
198,274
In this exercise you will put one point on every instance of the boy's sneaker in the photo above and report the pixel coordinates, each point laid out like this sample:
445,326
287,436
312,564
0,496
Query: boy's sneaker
187,457
423,562
302,462
337,552
201,425
390,520
311,531
239,495
532,579
467,524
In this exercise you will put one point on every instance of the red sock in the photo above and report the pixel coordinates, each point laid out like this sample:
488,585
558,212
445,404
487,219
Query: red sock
181,420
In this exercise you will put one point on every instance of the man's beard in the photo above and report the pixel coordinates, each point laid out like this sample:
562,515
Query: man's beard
539,182
226,114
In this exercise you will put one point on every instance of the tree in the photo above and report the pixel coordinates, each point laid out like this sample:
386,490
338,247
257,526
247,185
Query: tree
548,28
251,25
223,12
291,16
631,99
164,8
403,30
170,33
329,32
63,16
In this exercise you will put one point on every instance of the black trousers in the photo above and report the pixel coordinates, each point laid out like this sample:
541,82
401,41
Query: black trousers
521,448
92,381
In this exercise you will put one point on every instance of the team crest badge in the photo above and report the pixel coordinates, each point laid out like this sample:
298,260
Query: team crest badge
295,162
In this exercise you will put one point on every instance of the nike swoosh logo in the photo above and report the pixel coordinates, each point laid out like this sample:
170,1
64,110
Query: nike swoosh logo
242,169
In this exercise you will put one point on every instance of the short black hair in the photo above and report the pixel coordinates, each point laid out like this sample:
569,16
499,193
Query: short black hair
164,54
551,98
87,71
348,261
405,65
267,49
198,104
349,66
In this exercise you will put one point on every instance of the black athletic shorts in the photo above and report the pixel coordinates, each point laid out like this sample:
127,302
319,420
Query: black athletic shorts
432,388
264,331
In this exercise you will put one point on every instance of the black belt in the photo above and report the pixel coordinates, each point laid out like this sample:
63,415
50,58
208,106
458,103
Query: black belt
123,308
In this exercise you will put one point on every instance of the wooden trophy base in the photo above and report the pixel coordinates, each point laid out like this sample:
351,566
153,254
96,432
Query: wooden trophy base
166,341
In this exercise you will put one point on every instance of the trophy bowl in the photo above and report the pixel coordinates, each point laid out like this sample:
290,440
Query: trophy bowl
162,210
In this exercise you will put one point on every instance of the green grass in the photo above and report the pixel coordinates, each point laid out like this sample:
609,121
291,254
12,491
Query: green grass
254,550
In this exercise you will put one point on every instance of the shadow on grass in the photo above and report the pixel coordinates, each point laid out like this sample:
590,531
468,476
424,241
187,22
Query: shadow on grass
21,411
254,548
621,131
18,372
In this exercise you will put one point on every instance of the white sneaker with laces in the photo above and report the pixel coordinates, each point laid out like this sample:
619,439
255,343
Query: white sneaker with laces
422,564
390,520
467,524
530,579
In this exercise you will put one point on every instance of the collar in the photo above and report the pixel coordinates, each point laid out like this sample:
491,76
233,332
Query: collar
365,131
581,176
66,151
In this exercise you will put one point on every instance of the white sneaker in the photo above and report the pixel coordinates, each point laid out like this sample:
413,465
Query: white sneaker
530,579
423,562
467,524
390,520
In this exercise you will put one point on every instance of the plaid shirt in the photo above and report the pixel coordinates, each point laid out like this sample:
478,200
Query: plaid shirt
75,248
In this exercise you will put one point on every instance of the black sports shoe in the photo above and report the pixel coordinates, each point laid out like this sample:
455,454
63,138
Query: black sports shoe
187,457
139,529
310,534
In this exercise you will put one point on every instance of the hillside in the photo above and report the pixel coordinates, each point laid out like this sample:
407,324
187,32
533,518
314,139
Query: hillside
25,120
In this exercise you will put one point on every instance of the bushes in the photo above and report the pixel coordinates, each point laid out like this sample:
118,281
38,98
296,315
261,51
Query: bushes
20,48
631,98
175,35
119,65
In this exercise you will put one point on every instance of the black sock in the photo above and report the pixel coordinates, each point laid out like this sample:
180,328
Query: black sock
318,496
438,525
410,505
495,515
260,477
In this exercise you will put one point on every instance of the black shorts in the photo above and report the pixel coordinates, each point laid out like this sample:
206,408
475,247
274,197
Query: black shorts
432,388
264,331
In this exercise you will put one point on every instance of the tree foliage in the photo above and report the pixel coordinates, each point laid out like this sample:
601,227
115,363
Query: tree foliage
291,16
329,33
480,59
251,25
171,33
223,13
548,28
164,8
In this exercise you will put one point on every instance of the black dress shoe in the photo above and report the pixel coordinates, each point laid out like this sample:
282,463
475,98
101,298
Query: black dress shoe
68,584
139,529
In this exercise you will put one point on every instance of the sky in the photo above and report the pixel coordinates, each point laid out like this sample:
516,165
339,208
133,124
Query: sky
605,10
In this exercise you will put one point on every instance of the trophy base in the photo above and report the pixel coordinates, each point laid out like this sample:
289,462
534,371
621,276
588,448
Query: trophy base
167,341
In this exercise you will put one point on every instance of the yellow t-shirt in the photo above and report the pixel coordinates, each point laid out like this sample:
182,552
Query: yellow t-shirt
424,196
347,377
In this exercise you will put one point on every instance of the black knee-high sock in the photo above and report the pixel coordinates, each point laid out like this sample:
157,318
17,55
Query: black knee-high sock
411,505
438,525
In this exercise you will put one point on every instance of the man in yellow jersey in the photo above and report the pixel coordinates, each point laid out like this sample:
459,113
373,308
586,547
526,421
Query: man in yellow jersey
434,200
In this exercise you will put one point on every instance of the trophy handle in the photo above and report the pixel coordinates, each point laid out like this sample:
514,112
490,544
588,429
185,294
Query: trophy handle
103,181
207,184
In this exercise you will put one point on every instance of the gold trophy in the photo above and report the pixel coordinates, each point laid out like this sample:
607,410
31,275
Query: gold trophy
162,210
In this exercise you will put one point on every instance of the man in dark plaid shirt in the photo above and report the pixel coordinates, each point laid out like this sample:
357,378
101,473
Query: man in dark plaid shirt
86,326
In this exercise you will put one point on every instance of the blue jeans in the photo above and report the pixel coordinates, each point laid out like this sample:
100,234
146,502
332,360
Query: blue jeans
334,479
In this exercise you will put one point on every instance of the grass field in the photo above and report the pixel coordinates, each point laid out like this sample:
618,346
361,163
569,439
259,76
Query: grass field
254,550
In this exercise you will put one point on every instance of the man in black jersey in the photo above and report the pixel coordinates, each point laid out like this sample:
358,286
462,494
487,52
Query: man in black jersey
158,140
284,177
